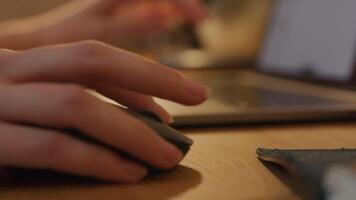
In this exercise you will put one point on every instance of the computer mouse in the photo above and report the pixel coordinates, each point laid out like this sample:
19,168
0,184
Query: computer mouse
182,142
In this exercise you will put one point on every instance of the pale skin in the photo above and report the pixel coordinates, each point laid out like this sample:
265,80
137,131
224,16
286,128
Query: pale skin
102,20
46,86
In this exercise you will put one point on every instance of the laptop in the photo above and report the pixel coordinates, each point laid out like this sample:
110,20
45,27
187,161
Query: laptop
304,44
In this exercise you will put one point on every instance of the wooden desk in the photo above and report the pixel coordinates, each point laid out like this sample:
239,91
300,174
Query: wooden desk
221,165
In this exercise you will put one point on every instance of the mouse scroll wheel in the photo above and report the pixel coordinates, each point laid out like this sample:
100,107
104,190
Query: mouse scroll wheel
151,115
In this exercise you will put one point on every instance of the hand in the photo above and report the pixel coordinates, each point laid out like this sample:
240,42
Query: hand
106,20
47,86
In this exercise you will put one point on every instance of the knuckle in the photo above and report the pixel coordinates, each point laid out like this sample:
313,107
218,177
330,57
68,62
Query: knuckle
92,48
90,56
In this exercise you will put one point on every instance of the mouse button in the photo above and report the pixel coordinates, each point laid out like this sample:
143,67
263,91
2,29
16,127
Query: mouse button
172,135
163,130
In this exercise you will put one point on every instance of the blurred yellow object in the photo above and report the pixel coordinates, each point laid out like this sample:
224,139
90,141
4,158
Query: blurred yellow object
237,34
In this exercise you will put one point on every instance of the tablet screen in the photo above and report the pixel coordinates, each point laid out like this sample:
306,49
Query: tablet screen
313,38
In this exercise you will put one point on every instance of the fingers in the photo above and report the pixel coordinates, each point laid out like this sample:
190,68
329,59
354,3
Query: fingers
70,106
134,101
193,9
139,21
89,63
5,54
6,51
46,149
103,6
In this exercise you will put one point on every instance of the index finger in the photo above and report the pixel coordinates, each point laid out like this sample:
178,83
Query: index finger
92,63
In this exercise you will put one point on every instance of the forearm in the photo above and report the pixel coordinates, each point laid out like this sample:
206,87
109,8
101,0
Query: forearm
20,34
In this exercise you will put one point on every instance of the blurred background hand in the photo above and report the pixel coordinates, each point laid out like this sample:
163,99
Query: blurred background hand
106,20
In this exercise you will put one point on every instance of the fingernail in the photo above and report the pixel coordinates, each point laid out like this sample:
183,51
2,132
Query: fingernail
196,89
135,172
166,116
171,155
170,119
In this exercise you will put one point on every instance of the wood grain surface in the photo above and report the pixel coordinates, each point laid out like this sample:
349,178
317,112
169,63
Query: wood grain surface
221,165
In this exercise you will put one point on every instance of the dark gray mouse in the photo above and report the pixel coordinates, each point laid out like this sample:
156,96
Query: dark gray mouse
171,135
